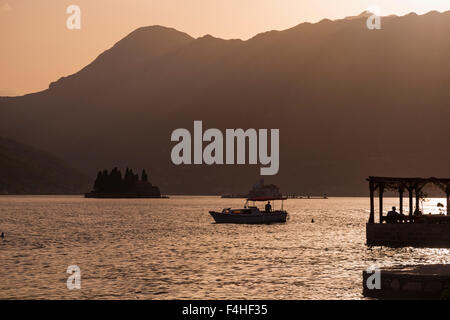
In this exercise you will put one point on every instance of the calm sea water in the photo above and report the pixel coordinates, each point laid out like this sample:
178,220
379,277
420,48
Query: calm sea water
171,249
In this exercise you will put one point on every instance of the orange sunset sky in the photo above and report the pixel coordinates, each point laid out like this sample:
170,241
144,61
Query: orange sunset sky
37,48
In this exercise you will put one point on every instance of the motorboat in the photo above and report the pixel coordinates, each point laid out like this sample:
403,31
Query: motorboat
252,214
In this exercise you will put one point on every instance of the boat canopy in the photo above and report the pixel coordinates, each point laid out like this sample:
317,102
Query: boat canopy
266,198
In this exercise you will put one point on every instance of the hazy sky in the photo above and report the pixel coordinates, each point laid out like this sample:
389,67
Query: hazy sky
37,48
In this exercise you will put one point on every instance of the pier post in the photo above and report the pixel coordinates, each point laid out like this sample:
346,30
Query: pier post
400,194
448,202
381,191
410,202
372,205
417,198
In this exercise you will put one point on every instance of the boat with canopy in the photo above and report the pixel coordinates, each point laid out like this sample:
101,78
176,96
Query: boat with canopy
252,214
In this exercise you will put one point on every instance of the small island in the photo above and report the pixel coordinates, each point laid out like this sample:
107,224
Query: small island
112,185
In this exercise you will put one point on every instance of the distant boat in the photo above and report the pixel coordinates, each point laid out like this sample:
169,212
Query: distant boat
258,190
267,190
234,196
252,214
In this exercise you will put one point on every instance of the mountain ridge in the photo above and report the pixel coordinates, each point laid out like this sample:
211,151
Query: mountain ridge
158,31
349,102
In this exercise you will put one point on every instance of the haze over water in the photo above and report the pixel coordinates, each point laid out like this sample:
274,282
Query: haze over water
171,249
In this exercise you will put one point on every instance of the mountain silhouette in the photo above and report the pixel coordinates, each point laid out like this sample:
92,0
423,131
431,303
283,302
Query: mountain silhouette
27,170
349,102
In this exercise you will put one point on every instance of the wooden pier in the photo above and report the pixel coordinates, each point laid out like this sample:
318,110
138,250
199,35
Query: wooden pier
424,282
294,196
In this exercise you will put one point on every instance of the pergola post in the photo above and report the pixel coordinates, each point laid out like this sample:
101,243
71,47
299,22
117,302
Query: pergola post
372,202
380,192
448,201
417,198
400,194
410,202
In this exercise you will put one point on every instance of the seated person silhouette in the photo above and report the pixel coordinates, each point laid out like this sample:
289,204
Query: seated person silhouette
393,216
268,207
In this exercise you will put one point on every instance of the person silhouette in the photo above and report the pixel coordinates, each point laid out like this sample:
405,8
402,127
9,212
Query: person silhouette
394,216
268,207
3,235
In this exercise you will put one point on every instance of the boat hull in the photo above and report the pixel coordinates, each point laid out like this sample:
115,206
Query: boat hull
263,218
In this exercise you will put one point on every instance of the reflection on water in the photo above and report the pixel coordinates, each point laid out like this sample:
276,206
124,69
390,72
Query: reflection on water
170,248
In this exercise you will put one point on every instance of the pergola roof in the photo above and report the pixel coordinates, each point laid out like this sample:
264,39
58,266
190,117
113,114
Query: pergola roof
406,183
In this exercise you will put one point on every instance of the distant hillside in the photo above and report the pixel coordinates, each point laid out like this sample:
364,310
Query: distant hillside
26,170
349,102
